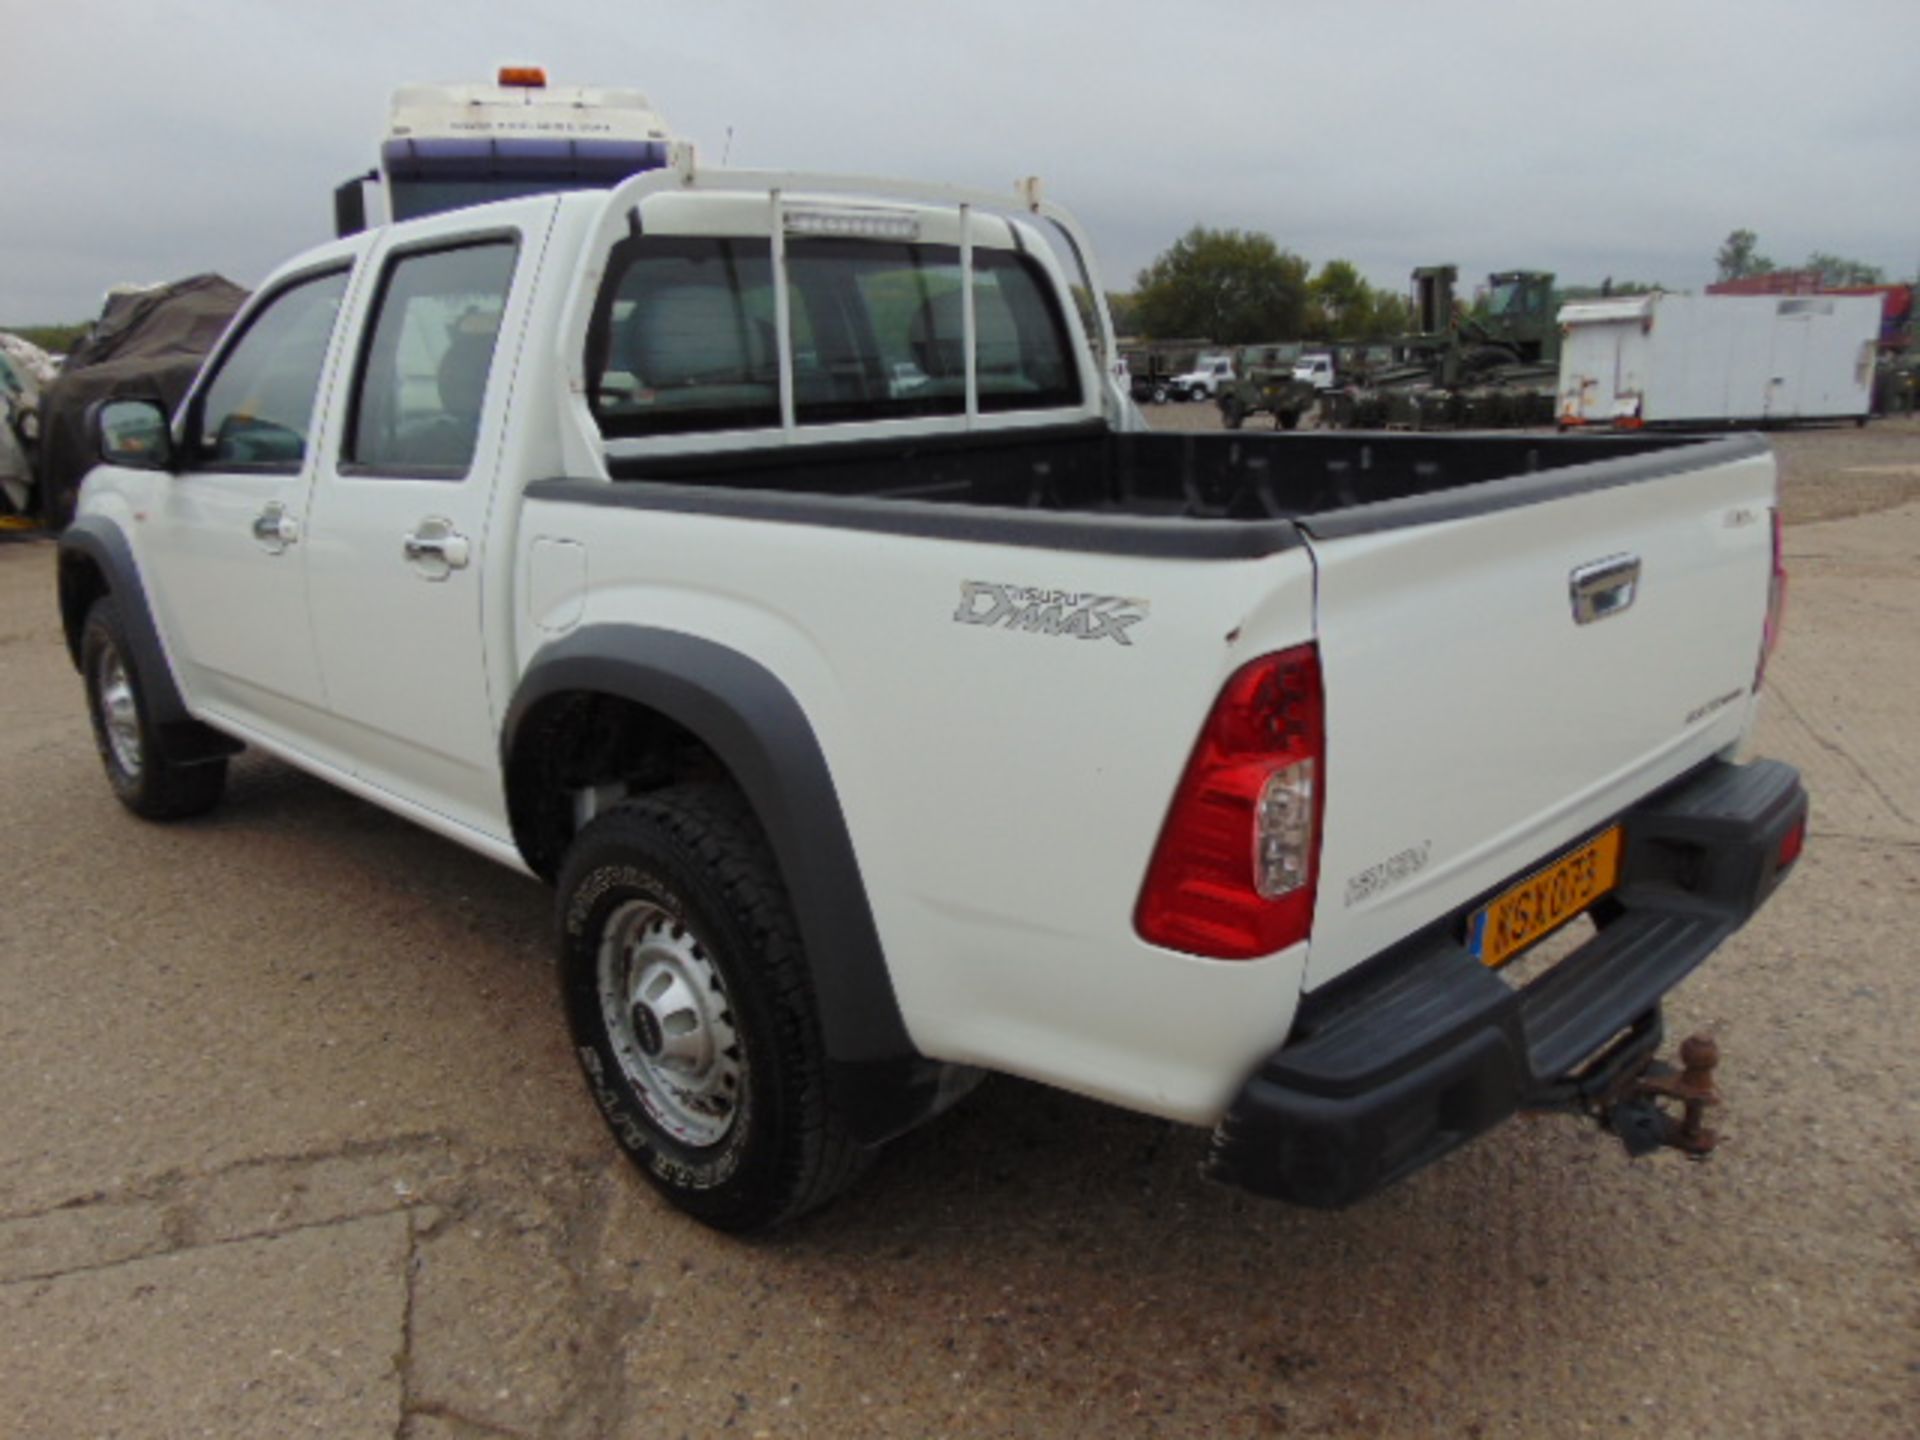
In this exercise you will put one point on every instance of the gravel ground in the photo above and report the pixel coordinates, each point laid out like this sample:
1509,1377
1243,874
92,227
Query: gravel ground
291,1143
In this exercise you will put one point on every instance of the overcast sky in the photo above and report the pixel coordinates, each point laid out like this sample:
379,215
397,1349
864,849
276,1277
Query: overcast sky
146,141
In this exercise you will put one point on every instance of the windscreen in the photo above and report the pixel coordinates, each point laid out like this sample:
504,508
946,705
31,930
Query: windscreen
430,176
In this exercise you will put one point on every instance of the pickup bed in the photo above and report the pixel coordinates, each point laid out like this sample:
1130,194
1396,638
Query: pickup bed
877,736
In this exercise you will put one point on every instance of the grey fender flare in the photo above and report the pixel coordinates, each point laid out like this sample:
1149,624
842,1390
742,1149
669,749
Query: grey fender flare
93,540
749,719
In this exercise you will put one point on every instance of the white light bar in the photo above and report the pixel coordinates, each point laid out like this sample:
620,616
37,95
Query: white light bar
860,224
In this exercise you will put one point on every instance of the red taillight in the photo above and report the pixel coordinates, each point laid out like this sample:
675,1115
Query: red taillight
1776,605
1238,862
1791,844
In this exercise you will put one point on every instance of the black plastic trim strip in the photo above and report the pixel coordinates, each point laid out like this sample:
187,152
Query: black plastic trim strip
1182,538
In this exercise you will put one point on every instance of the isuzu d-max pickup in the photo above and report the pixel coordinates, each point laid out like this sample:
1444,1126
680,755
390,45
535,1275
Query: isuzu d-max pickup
875,736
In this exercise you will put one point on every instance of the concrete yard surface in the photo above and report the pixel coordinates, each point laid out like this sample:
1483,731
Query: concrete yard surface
292,1143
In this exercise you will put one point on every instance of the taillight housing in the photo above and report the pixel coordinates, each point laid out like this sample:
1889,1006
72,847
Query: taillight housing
1776,605
1791,844
1237,865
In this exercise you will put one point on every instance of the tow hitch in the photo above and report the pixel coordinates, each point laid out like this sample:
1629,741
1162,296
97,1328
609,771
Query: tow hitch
1635,1112
1628,1091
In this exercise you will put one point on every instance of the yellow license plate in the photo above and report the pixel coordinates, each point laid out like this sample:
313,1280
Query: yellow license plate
1545,900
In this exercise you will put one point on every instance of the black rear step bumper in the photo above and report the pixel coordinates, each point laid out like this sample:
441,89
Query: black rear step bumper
1422,1048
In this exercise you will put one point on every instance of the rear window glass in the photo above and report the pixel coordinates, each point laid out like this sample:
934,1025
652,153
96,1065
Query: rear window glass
685,338
684,335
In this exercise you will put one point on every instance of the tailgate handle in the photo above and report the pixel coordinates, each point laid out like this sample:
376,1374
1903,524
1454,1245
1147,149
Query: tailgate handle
1603,588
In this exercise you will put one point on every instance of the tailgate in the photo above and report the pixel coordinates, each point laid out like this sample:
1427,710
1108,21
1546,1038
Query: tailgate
1474,727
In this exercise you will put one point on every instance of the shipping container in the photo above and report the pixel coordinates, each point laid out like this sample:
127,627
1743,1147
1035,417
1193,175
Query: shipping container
1717,359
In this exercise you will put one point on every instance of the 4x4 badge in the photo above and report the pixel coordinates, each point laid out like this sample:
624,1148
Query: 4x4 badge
1049,612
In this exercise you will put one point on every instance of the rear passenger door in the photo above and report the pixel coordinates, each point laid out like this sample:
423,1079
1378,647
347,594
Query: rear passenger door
400,562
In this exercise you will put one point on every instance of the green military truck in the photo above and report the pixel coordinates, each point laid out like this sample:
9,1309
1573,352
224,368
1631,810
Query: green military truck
1270,383
1494,370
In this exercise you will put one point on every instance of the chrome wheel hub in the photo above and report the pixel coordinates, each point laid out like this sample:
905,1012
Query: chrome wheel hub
671,1024
119,717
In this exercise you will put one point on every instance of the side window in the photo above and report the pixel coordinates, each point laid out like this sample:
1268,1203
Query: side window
256,412
425,362
684,338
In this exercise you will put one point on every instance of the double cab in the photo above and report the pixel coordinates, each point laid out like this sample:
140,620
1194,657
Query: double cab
774,564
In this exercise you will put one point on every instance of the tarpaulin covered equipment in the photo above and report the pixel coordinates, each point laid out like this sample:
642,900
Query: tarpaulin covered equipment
147,344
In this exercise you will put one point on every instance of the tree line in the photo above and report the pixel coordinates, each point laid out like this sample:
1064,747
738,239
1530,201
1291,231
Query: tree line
1239,286
1740,258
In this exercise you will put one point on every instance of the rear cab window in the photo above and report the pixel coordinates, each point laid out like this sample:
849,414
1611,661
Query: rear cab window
685,335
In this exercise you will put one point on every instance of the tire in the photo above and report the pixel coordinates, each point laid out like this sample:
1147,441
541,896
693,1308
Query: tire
143,779
1160,394
1232,413
1286,420
691,1007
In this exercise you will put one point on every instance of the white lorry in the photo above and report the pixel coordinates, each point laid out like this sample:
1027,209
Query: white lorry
449,146
874,736
1717,359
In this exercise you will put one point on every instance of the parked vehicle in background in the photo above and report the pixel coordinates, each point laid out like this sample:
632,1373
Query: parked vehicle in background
1203,381
1718,359
1151,365
594,532
1267,384
450,146
905,378
1491,371
24,370
1316,370
149,341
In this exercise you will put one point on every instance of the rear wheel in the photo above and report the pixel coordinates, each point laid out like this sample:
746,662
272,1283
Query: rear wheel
1160,394
1232,413
692,1012
142,777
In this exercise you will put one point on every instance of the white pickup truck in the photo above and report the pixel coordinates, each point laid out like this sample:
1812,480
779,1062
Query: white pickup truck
1204,380
874,736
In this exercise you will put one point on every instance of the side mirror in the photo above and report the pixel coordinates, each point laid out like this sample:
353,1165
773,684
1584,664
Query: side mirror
132,433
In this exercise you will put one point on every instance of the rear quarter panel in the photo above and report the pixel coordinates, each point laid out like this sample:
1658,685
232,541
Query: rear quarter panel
1003,788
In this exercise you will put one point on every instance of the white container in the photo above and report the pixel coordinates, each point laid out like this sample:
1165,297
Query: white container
1717,359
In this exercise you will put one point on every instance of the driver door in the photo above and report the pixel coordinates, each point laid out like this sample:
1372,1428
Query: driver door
224,550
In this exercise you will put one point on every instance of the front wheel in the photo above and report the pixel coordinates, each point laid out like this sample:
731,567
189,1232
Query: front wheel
691,1007
143,779
1232,413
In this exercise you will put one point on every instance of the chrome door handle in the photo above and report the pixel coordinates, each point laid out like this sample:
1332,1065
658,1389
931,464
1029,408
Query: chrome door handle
1603,588
436,548
275,529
